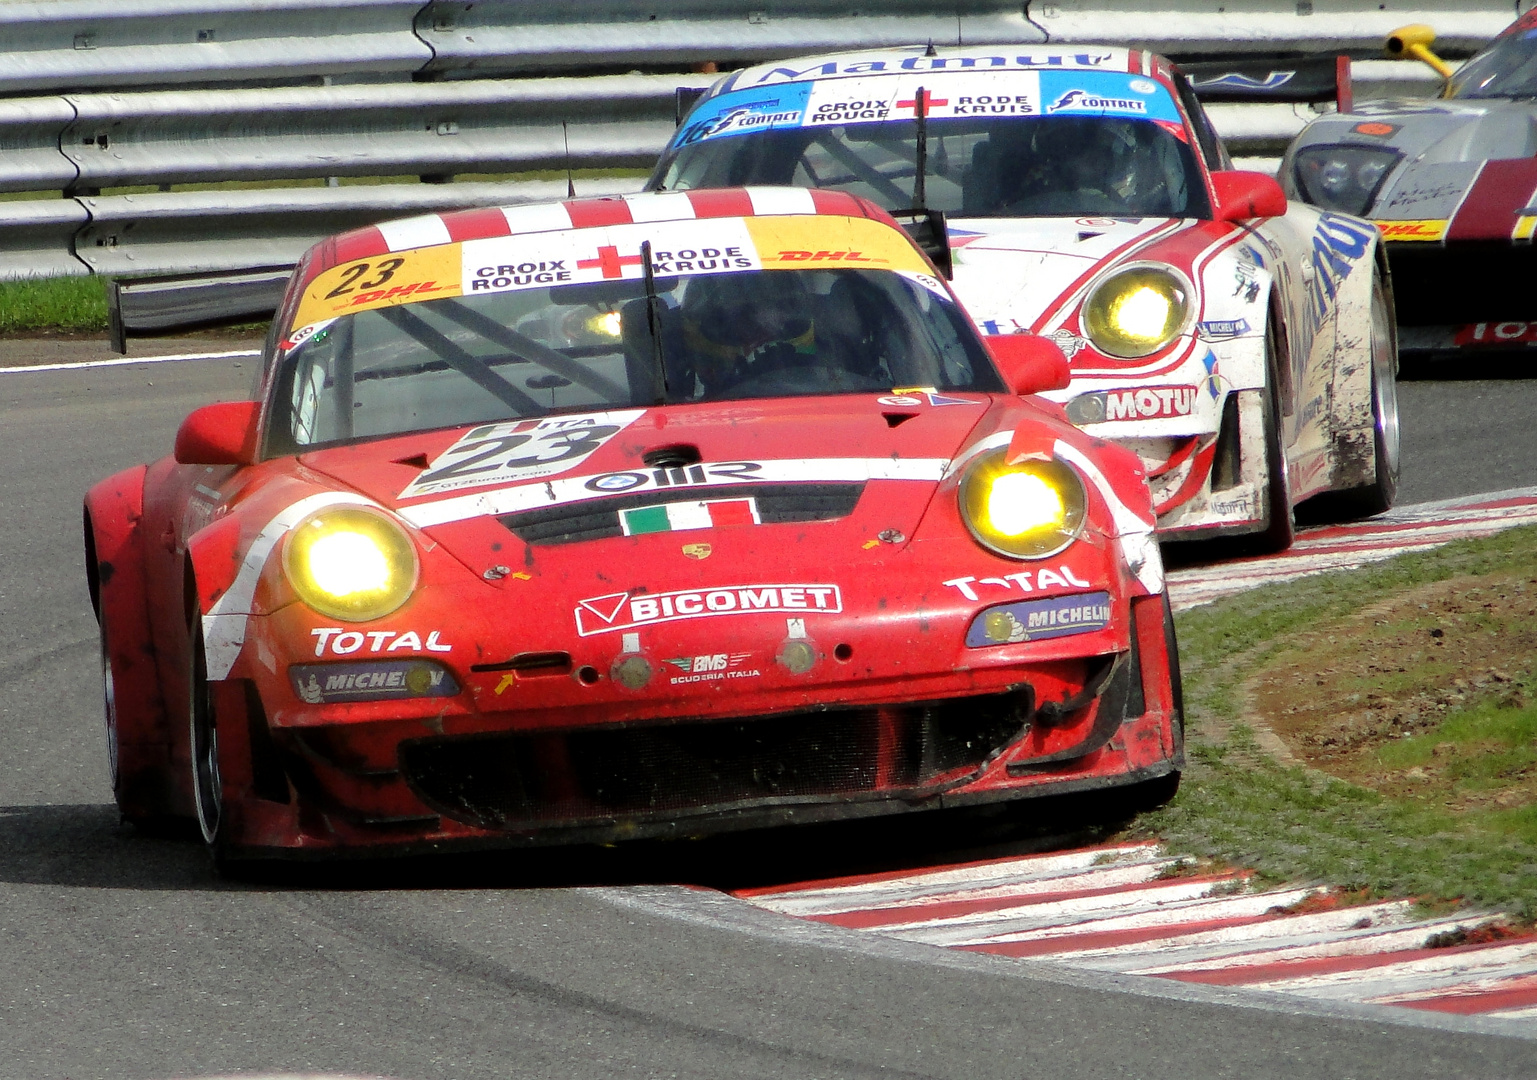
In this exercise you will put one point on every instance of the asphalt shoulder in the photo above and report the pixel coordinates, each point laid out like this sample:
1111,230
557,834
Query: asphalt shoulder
47,349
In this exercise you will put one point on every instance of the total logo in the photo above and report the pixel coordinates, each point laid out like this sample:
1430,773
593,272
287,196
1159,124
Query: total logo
711,667
344,642
1060,578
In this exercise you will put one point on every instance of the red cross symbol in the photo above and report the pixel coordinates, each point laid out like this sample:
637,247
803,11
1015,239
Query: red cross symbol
612,262
928,99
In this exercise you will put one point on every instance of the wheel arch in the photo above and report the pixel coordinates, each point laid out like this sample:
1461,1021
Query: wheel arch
116,577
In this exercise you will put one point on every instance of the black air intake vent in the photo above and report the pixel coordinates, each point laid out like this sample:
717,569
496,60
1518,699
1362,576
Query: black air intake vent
778,504
523,781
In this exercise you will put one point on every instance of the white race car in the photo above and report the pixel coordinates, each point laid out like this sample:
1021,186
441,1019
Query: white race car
1244,346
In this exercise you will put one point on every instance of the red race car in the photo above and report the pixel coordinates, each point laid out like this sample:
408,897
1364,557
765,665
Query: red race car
643,516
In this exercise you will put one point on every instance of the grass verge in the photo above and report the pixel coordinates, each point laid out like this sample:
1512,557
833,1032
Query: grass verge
61,304
1289,822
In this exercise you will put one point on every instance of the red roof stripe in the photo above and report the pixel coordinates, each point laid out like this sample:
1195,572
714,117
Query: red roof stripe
730,203
595,213
362,243
476,224
836,202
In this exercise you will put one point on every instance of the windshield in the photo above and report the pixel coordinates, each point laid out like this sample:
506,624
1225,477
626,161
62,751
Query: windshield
994,167
533,352
1506,69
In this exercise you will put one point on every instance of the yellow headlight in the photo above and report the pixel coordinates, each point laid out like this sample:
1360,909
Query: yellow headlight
351,563
1024,511
1136,311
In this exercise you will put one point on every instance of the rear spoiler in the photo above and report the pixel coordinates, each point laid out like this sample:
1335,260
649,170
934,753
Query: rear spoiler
154,307
1309,79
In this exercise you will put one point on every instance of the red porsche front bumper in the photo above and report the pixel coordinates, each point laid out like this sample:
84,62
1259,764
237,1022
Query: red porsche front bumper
371,779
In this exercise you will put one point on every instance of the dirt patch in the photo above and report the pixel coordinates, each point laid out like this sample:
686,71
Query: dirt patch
1429,695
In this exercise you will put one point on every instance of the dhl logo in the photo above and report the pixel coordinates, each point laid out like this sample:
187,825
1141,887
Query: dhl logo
1411,230
825,256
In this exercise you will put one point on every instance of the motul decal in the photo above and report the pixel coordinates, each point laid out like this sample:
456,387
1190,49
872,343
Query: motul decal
626,611
1138,403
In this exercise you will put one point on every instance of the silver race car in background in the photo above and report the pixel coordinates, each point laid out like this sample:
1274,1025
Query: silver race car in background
1241,346
1452,184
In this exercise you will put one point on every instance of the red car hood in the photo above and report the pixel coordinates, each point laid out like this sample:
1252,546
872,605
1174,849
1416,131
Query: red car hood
454,483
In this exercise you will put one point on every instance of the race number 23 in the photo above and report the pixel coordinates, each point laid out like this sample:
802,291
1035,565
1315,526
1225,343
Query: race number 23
383,271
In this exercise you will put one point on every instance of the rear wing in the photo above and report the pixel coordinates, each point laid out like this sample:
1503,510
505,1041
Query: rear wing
154,307
1309,79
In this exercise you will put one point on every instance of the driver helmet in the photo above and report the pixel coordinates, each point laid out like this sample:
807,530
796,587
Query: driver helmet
1082,154
739,325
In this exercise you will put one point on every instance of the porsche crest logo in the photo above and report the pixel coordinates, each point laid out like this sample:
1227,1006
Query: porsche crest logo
697,551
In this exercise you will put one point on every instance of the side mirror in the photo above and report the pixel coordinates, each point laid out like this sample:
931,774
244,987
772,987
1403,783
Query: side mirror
931,233
1243,195
221,434
1414,42
1030,363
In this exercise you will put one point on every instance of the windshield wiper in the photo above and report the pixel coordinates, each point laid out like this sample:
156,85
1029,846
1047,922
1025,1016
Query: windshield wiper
654,320
526,348
920,182
927,227
456,357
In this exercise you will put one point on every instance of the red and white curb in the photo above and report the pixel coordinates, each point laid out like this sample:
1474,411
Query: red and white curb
1344,547
1131,910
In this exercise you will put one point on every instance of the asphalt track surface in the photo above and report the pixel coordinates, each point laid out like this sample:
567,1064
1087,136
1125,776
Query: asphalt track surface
123,956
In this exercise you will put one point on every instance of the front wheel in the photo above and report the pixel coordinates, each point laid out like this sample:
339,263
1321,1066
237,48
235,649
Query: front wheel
1279,530
207,781
1378,494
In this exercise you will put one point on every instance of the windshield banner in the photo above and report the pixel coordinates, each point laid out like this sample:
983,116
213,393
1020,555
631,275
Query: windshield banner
946,95
543,260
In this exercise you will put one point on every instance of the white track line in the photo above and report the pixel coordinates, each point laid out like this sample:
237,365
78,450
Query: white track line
860,894
1364,942
1080,918
991,925
82,365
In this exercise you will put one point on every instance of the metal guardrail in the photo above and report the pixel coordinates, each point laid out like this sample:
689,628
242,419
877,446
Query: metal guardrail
410,94
70,45
64,45
195,231
485,126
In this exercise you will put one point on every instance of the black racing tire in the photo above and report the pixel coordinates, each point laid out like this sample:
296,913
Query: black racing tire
1279,530
1377,495
109,711
208,800
1176,682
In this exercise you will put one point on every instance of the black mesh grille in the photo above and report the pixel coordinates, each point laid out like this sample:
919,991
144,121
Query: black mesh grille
1462,282
598,520
567,778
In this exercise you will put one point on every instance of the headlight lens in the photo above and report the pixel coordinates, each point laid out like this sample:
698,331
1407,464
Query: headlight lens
1024,511
1136,311
351,563
1343,178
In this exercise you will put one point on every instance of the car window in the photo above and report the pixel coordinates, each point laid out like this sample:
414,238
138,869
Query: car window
974,167
1212,150
705,337
1507,68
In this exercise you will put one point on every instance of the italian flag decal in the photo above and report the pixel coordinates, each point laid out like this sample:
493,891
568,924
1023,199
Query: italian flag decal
679,516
